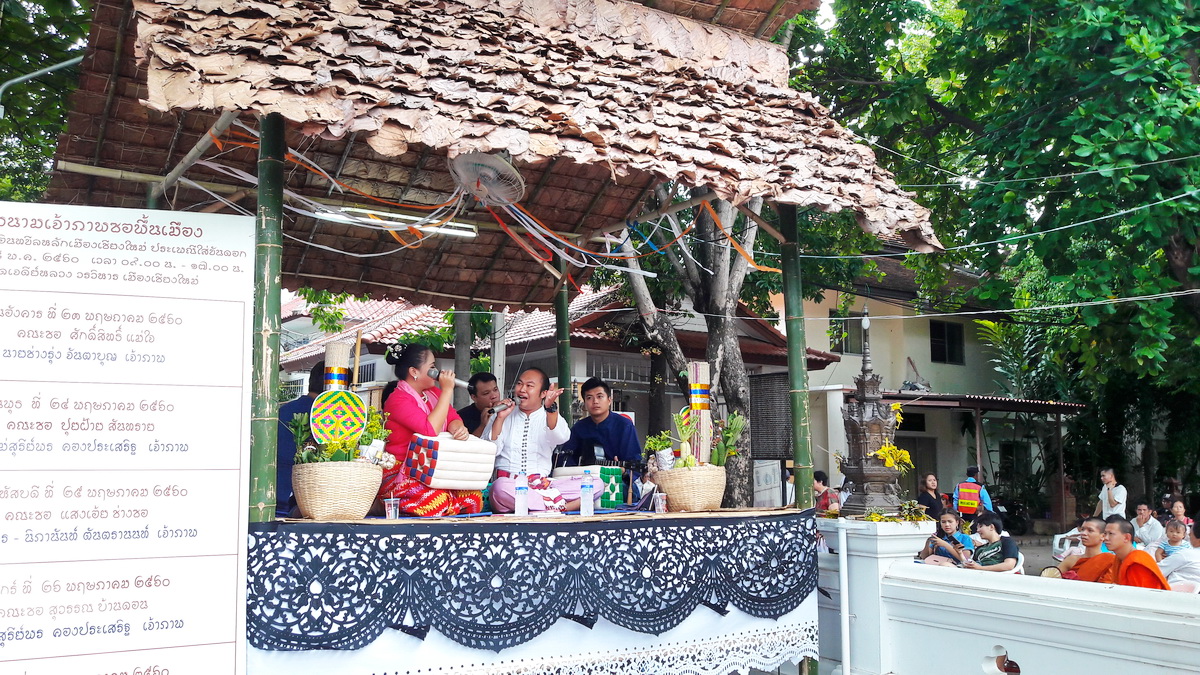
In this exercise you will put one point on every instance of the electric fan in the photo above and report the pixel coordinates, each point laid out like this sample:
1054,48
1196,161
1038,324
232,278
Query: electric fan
491,180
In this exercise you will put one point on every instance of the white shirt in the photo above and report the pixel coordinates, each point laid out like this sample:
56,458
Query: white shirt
529,433
1182,566
1118,494
1148,534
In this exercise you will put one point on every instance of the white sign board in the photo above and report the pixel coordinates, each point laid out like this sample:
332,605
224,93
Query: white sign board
124,440
768,483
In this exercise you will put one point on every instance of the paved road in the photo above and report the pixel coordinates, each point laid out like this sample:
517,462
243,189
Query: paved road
1037,553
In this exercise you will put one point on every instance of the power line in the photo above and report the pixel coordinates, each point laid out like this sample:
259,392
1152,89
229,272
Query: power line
1011,238
1052,177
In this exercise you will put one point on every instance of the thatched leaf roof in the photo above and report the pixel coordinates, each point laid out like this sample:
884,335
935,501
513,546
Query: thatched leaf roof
595,100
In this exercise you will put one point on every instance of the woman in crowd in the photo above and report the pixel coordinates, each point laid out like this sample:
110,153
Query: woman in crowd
928,496
948,546
420,404
1179,511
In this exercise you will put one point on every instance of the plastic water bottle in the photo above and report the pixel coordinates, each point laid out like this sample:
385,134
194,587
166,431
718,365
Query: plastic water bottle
587,495
521,499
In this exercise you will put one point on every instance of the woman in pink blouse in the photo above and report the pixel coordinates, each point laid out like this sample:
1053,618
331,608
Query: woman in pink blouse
421,405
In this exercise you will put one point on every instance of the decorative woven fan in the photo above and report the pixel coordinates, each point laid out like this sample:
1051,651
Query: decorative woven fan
493,181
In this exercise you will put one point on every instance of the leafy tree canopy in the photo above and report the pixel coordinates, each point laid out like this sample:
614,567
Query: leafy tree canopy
34,36
1022,116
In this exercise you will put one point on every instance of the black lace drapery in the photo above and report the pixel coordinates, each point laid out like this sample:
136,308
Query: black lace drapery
490,584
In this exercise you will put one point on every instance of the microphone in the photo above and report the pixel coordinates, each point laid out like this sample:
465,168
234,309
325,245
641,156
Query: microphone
434,372
499,407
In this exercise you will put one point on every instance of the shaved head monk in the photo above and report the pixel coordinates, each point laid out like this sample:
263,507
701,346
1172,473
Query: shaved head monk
1092,565
1132,567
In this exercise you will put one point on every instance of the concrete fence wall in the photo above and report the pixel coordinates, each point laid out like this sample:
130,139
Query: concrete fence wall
908,618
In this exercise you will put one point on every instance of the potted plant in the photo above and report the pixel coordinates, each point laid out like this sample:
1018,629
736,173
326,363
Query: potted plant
374,438
695,486
327,480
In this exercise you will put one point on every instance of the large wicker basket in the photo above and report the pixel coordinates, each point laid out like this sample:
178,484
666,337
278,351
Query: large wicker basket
696,488
336,490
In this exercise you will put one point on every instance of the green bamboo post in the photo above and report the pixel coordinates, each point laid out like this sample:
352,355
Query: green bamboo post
264,392
562,329
793,309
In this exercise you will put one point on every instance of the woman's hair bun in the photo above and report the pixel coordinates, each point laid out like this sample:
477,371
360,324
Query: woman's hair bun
395,352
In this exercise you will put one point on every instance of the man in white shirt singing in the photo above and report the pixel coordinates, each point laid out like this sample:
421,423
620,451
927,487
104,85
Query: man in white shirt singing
525,436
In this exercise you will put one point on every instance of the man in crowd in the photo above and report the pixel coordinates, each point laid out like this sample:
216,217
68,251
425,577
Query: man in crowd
1132,567
1184,566
525,435
996,554
602,434
1112,496
485,393
971,498
824,498
285,503
1092,565
1146,528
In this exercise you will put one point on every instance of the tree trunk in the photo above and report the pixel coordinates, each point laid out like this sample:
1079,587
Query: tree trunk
735,394
660,409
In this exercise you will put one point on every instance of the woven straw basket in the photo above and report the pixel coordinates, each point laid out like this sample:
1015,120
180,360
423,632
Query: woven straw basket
336,490
697,488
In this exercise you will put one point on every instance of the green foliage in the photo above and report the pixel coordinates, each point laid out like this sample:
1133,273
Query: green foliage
36,35
375,429
301,431
728,431
326,309
1022,116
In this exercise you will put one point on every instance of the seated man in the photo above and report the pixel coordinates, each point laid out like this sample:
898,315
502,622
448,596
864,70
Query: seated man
1147,531
285,458
601,431
1183,566
1093,565
485,393
1131,567
997,554
525,436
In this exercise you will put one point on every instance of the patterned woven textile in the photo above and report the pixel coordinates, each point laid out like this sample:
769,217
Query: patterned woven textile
443,463
417,499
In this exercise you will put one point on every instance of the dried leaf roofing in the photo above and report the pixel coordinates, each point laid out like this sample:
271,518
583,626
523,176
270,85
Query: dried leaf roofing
595,100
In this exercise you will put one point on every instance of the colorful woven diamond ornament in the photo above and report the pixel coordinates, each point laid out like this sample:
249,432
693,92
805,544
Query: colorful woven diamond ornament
337,416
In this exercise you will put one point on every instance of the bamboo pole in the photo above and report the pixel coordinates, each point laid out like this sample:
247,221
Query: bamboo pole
793,309
562,329
268,247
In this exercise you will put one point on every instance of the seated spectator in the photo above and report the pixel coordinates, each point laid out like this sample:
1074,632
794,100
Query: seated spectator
1179,511
1132,567
1093,564
1146,528
997,554
1183,566
824,498
1175,542
948,546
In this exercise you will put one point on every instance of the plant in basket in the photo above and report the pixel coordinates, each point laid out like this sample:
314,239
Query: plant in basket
327,480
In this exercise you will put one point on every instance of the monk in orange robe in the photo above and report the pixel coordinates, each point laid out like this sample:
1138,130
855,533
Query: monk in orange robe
1131,567
1092,565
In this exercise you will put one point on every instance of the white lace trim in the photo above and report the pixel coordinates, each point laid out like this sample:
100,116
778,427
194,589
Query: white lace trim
764,648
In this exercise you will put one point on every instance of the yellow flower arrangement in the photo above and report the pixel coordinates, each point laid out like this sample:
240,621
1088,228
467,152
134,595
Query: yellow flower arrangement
894,457
899,411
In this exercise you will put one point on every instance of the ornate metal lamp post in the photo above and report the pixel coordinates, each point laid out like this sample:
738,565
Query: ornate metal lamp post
869,424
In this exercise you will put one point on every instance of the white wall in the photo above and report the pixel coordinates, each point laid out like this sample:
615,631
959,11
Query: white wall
911,618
